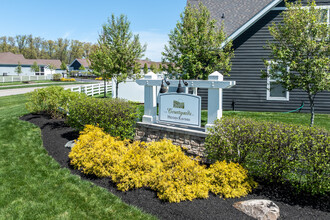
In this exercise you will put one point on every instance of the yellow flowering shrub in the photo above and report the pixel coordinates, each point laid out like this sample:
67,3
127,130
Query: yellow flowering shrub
177,177
134,168
160,165
96,152
230,180
67,80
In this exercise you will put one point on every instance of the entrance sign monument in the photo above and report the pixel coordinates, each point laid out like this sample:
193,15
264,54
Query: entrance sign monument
181,108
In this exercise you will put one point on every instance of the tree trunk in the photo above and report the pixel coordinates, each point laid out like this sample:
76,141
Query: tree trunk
105,89
311,100
117,89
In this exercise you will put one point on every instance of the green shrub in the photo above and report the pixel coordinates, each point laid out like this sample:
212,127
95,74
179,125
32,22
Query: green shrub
53,100
275,152
160,165
57,76
116,116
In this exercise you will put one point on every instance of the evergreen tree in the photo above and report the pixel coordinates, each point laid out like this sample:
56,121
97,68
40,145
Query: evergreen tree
145,68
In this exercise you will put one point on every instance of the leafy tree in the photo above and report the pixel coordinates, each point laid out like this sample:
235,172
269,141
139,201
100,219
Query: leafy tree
145,68
153,68
196,46
18,69
300,51
82,67
160,68
35,67
51,67
117,52
64,66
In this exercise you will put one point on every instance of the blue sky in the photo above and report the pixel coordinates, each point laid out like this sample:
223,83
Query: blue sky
82,20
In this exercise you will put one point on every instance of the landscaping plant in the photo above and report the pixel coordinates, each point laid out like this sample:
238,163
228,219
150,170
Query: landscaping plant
53,100
161,166
116,116
274,152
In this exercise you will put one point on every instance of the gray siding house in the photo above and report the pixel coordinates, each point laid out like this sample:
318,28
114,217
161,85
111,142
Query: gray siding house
246,23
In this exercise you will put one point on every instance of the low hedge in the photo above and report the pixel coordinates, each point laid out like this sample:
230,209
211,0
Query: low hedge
275,152
116,116
53,100
161,166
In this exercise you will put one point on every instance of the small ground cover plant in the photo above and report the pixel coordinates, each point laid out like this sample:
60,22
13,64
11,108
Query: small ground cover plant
161,166
275,152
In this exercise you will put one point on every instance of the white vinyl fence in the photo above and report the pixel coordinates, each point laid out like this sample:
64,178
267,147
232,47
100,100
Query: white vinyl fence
4,79
92,89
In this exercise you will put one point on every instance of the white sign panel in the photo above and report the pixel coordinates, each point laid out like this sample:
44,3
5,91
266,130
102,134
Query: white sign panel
180,108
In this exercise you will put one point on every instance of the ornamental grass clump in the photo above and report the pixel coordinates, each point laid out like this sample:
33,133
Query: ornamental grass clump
160,166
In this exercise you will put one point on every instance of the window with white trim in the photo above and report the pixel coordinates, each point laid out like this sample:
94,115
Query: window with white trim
275,90
325,16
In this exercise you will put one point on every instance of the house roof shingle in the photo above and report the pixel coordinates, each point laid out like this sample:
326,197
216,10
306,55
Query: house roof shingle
236,13
13,59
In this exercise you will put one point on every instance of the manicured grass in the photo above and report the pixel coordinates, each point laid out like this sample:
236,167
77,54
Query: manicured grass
21,83
32,184
320,121
44,85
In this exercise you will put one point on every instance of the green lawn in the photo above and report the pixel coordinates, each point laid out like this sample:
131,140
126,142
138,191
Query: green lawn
32,184
44,85
321,120
21,83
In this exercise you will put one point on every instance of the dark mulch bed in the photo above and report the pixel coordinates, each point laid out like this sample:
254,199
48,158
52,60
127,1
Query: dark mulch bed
55,134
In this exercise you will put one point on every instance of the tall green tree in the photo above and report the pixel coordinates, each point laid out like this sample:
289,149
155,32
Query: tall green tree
117,52
64,67
300,51
145,68
51,67
35,67
197,46
18,69
153,68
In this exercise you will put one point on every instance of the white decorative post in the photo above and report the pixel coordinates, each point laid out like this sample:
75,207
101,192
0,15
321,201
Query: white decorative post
214,105
150,99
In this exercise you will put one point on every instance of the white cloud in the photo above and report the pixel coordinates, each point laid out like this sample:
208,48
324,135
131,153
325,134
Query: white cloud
155,43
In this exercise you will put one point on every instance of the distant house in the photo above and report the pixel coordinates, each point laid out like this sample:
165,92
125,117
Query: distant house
246,23
77,63
9,62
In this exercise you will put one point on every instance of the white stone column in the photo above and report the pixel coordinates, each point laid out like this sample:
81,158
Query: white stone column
214,105
150,100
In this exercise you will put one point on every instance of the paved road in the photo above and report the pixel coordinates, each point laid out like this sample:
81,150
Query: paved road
7,92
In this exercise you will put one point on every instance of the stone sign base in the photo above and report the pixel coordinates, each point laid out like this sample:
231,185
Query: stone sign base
190,139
